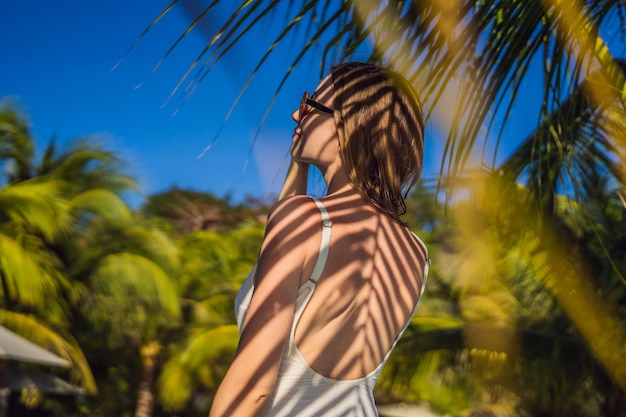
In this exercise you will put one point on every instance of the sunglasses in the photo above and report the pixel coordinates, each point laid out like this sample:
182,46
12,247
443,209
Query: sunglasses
307,102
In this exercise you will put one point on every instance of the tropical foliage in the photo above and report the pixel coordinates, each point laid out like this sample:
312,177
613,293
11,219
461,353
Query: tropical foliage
499,329
525,310
124,296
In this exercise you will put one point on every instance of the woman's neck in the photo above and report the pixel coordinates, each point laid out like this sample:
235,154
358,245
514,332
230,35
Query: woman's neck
337,182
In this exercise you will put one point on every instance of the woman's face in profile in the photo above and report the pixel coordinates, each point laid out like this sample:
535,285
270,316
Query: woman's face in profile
315,138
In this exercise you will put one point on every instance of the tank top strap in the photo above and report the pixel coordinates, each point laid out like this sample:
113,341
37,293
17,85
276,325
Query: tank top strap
306,290
325,243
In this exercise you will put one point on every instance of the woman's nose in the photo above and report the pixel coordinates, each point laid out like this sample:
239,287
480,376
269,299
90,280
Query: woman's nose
296,116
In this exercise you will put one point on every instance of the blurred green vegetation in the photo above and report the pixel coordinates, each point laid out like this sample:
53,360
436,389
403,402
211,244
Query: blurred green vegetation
141,301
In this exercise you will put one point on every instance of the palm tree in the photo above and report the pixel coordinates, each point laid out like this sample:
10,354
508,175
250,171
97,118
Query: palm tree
128,267
74,258
213,266
33,214
31,281
493,330
579,157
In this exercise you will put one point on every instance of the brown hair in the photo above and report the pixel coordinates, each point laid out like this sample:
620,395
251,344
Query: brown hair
381,133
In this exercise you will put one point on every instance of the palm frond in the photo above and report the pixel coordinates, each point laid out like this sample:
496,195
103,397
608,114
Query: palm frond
105,203
136,279
40,205
24,279
483,50
86,165
16,144
196,362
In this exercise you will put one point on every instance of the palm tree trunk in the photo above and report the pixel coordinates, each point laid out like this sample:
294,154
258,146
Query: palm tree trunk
145,400
4,401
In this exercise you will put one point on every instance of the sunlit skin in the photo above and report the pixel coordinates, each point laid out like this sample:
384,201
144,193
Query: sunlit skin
367,291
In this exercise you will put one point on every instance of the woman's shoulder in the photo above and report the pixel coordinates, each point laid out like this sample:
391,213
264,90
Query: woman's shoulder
295,213
291,227
292,207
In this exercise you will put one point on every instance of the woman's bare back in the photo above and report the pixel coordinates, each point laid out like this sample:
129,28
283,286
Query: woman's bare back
367,292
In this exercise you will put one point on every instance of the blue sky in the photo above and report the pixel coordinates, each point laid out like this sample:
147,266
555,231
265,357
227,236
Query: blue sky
56,66
57,60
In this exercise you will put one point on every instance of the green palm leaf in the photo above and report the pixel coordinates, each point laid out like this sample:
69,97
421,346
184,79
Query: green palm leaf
86,165
39,205
195,365
484,50
15,142
24,280
105,203
133,277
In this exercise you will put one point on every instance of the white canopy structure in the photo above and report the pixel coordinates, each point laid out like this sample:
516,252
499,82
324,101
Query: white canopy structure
15,347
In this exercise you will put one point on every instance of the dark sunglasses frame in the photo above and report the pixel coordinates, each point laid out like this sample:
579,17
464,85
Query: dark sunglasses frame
307,102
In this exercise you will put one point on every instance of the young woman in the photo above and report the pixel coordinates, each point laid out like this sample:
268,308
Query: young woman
338,278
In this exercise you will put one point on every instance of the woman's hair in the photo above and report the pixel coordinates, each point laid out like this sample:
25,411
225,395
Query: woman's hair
381,133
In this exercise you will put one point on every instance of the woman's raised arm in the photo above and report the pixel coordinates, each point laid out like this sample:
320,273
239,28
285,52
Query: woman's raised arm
295,181
249,383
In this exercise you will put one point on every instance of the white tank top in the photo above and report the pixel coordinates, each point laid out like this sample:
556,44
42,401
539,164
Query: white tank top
300,390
